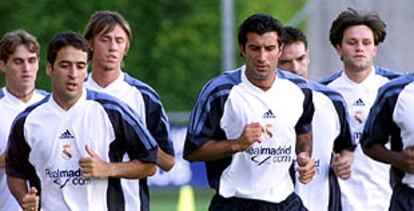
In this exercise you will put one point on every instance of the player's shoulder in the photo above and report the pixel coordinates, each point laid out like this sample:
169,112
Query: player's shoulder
222,83
396,85
296,79
327,91
140,85
33,107
387,73
42,92
329,79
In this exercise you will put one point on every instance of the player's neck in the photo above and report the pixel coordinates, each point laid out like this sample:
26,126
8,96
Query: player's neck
65,104
263,84
358,76
23,95
105,77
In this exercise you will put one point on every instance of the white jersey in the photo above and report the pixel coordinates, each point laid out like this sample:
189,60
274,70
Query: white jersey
145,102
46,143
10,107
231,101
369,186
331,133
392,116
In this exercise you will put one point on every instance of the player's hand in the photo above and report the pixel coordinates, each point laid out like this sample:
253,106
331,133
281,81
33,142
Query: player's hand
93,166
30,201
406,160
342,164
306,168
251,134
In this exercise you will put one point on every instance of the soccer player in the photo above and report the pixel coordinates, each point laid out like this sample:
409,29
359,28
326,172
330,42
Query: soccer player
70,146
330,129
356,37
19,61
391,120
109,37
247,125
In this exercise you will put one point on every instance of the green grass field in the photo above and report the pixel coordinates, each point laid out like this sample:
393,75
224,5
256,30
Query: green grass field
167,199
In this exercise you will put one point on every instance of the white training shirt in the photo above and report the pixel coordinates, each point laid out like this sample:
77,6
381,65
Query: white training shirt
10,107
369,186
52,140
144,100
392,116
330,126
262,171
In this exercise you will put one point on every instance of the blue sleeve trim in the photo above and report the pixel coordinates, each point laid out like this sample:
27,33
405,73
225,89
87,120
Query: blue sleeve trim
375,131
127,114
156,118
329,79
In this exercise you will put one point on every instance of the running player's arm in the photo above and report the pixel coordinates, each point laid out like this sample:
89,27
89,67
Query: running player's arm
213,150
304,143
403,160
132,138
303,130
165,161
380,128
306,165
157,124
344,144
94,167
28,199
19,170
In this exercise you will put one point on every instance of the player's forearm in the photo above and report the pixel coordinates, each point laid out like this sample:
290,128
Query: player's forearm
131,170
18,187
304,143
164,160
2,160
379,153
213,150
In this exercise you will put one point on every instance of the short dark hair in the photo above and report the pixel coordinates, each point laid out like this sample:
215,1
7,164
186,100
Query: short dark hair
260,24
293,35
63,39
351,17
11,40
105,21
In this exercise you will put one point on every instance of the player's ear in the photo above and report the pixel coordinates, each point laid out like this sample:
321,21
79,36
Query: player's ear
49,68
242,50
2,64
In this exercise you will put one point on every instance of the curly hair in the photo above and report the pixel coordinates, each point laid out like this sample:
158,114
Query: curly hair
351,17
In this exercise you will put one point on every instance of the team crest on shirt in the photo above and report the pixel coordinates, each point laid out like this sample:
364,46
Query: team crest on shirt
67,152
267,133
358,117
66,147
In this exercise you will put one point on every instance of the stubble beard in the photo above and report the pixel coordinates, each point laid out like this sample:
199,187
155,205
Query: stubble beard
357,67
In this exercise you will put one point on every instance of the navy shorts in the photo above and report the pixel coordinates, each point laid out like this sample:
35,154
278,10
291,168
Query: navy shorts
402,198
291,203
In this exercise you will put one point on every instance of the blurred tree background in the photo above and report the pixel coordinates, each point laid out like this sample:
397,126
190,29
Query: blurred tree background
175,47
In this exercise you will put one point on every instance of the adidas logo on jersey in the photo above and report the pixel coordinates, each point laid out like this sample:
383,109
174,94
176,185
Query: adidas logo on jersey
269,115
66,135
359,102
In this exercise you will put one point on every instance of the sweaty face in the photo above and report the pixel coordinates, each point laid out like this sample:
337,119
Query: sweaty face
357,48
67,74
295,59
20,70
261,54
109,49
